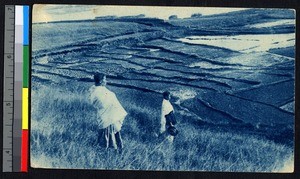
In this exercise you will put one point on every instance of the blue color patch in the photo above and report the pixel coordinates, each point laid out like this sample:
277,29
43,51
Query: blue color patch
26,25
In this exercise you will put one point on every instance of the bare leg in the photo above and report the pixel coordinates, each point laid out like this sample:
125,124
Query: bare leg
119,140
106,136
170,138
111,137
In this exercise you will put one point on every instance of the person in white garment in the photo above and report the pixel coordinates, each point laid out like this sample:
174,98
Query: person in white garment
110,113
168,120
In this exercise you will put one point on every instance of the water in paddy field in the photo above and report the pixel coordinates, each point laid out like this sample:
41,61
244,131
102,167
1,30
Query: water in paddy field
231,77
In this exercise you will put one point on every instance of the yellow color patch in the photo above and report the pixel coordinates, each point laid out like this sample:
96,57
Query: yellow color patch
25,108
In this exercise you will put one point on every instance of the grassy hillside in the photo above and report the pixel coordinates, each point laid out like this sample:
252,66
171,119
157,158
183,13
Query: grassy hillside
66,137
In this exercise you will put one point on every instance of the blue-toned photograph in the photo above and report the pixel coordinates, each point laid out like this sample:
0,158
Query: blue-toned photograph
162,88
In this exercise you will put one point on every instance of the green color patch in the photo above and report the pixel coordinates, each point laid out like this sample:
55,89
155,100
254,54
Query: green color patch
25,66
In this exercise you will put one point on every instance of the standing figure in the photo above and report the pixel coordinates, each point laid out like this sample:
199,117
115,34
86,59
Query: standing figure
110,113
168,119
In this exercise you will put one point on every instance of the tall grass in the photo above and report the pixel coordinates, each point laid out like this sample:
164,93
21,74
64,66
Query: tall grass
64,134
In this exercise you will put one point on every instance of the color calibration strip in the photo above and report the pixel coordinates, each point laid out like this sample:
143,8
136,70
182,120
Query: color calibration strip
16,79
25,143
17,134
